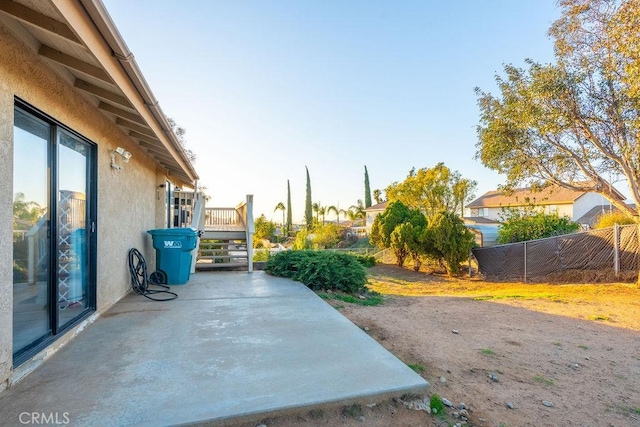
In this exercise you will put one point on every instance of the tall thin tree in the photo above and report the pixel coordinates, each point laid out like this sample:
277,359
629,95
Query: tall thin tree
289,215
308,210
367,189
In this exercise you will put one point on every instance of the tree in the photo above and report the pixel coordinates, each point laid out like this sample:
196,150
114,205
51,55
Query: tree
336,211
367,189
532,224
377,196
265,230
611,218
357,211
280,206
451,238
308,213
433,190
180,134
289,214
326,236
576,122
25,214
401,229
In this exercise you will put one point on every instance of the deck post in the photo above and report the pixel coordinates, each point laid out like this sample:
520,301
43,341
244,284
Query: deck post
250,230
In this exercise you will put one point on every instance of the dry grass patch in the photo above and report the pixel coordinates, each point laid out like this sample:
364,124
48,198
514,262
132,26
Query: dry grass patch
617,304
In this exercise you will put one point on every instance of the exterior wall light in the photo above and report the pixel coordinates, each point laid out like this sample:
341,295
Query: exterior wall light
122,152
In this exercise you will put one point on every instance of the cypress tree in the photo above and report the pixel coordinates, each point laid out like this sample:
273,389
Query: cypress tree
289,221
367,189
308,211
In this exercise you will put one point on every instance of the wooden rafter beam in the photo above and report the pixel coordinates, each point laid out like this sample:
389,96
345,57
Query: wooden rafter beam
31,17
119,112
74,63
134,126
102,93
154,142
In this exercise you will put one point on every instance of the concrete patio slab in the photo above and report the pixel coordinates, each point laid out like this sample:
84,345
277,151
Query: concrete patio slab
232,345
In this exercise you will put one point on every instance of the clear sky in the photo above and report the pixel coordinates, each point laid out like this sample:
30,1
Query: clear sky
265,87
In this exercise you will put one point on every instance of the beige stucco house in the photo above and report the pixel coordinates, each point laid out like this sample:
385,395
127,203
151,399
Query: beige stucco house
574,204
372,212
87,162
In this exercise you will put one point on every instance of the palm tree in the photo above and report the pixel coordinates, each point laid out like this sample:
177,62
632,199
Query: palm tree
357,211
322,210
281,207
336,210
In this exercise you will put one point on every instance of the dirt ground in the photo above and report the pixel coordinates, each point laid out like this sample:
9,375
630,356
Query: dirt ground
514,354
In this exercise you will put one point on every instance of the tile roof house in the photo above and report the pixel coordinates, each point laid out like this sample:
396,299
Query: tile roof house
565,202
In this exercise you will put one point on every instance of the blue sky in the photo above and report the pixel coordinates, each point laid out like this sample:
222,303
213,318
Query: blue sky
265,87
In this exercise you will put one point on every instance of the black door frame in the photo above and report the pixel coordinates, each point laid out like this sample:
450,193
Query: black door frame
90,229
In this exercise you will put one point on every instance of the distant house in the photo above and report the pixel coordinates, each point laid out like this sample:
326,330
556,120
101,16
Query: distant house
570,203
372,213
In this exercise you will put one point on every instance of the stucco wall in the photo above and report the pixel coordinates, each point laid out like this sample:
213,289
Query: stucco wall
586,202
127,202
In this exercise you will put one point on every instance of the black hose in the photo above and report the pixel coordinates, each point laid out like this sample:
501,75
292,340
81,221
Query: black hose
140,281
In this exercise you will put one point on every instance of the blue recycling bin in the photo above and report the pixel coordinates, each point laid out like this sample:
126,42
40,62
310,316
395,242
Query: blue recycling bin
173,252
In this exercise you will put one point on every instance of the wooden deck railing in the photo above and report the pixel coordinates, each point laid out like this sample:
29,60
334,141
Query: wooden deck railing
222,217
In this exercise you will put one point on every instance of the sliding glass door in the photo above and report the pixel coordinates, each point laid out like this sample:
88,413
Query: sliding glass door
54,224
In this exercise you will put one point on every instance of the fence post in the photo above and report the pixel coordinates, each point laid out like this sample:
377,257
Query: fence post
525,262
616,249
470,272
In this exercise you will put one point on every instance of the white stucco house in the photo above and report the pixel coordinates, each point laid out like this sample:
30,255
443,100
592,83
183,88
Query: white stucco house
87,164
372,212
576,205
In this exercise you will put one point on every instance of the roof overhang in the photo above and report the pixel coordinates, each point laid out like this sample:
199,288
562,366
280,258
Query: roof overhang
80,42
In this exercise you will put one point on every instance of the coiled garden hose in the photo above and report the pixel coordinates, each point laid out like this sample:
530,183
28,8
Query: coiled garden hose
140,281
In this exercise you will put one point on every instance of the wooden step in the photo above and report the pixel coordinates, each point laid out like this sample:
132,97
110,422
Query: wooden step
222,266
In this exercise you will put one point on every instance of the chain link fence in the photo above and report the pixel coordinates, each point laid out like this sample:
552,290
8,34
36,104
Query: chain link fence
612,251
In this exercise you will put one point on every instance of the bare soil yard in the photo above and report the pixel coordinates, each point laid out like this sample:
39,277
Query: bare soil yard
514,354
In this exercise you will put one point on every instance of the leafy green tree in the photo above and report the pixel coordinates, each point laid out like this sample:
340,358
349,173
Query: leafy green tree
399,239
326,236
302,240
401,229
574,122
448,235
265,230
433,190
289,214
367,189
530,224
308,212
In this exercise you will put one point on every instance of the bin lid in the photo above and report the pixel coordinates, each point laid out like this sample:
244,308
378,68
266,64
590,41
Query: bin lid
178,231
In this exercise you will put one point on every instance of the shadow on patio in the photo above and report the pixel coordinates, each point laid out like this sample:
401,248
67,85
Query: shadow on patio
232,346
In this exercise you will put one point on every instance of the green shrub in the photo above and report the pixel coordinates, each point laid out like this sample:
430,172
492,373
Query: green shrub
611,218
320,270
531,225
366,260
261,255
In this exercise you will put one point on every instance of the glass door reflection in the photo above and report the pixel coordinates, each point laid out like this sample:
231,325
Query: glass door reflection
31,234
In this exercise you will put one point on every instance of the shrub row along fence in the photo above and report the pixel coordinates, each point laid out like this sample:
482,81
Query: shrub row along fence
613,250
